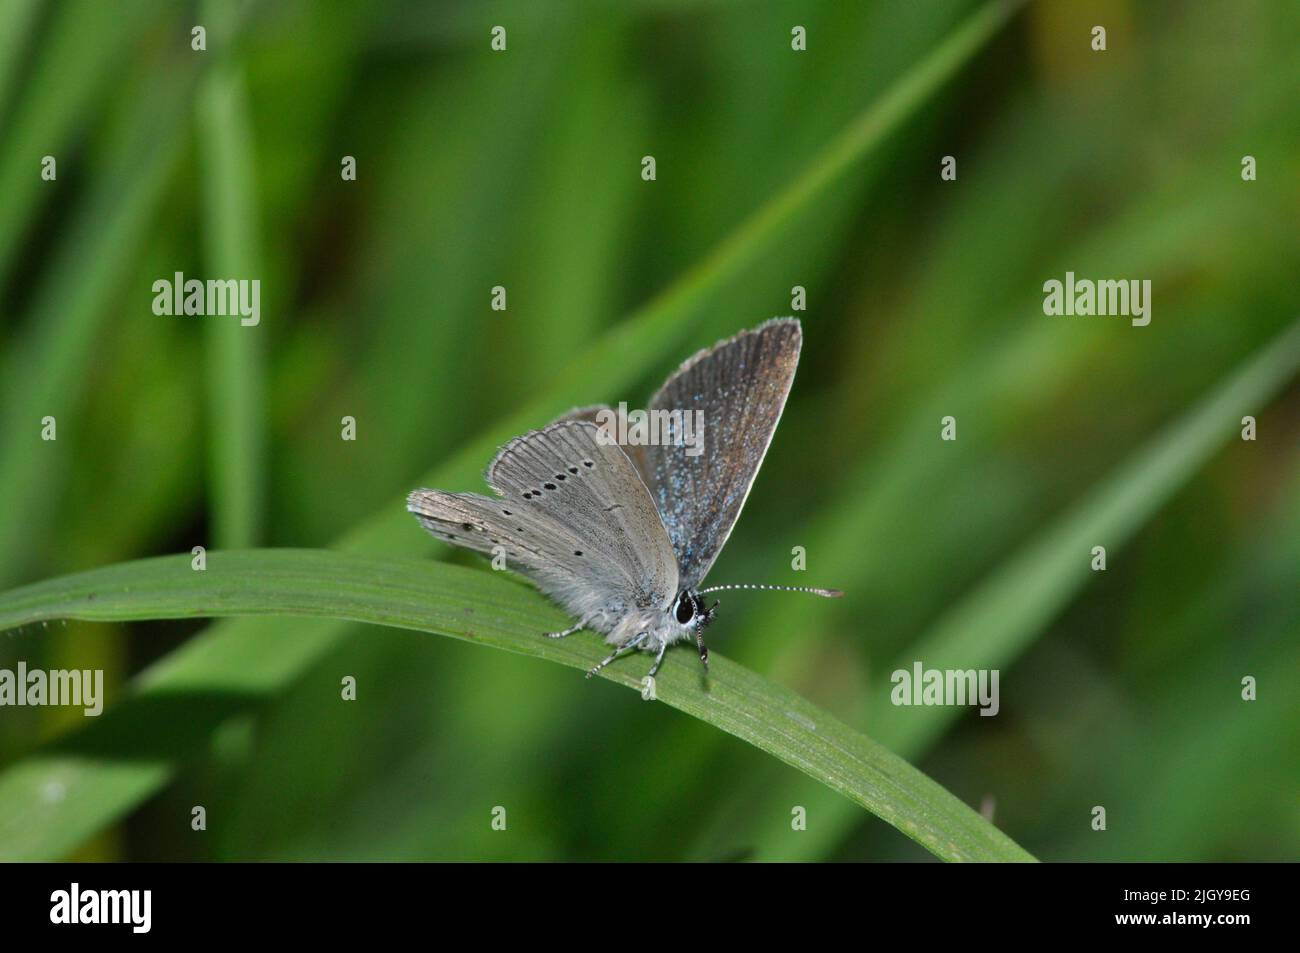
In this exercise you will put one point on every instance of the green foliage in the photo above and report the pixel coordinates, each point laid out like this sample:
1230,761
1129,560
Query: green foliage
776,169
485,609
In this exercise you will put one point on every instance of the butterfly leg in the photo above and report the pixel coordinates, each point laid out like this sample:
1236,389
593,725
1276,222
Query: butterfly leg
658,660
704,649
617,652
577,627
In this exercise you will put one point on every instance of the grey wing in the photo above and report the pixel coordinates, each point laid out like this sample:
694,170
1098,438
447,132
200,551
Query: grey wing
740,386
572,514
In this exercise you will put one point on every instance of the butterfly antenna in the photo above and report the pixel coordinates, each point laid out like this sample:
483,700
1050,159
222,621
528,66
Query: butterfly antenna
828,593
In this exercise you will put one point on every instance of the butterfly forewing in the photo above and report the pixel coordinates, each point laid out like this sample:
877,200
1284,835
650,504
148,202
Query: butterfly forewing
740,385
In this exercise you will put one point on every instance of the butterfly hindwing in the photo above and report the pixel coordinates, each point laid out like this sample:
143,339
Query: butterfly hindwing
573,514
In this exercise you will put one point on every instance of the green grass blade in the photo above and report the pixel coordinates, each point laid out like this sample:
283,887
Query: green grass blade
995,622
1014,605
657,329
17,19
241,663
235,384
486,609
86,42
46,368
899,103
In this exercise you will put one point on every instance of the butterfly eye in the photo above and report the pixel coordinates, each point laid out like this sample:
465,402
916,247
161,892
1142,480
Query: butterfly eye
684,611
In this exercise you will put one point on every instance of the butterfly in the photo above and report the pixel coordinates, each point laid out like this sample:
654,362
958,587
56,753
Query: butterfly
623,535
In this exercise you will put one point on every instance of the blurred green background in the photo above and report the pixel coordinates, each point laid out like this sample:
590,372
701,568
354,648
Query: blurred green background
522,169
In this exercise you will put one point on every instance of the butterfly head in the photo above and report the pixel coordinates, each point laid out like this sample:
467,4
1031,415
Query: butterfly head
692,618
688,610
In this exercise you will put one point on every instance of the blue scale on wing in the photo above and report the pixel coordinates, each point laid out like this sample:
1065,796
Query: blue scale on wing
740,390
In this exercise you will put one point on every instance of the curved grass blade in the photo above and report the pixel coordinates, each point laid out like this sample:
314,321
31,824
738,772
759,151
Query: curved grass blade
240,663
1001,617
489,609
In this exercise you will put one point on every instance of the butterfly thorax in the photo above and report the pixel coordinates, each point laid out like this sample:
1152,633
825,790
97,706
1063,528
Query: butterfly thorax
678,621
